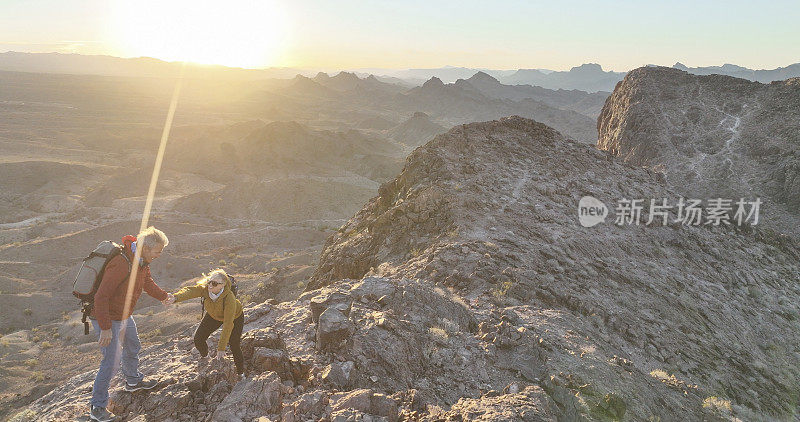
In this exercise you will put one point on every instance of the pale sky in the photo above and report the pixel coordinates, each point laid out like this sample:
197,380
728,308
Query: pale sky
347,34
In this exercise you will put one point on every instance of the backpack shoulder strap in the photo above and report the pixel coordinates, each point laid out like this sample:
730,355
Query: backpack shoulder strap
121,252
130,265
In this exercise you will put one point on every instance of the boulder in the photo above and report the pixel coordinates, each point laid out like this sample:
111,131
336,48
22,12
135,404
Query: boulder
266,359
333,327
360,400
262,337
338,300
251,398
383,405
338,374
373,289
308,406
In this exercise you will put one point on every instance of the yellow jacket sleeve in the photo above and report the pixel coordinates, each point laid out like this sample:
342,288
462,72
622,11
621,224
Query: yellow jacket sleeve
227,322
189,292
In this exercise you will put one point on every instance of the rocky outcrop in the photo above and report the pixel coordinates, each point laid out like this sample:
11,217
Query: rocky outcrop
530,405
471,292
712,136
403,334
649,317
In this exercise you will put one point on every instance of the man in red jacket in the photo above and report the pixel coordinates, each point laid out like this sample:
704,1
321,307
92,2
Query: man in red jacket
118,337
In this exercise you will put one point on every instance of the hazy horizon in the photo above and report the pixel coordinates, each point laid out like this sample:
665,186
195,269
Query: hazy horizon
413,35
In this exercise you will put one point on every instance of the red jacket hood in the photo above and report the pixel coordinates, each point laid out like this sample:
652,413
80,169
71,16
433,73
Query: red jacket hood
126,242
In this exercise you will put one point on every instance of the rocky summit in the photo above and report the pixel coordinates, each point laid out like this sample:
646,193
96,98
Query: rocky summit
716,136
467,289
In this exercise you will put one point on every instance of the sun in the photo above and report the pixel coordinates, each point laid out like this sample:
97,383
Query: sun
240,33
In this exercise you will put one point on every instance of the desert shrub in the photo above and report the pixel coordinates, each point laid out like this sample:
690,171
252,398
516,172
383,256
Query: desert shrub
661,374
439,334
501,290
716,403
150,334
24,416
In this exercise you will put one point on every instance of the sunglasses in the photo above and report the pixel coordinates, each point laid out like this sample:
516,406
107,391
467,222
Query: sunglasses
215,283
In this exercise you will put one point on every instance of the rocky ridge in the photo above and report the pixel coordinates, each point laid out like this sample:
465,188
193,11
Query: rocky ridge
714,136
467,290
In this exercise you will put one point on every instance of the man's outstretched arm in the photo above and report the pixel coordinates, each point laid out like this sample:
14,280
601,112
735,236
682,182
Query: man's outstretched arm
153,290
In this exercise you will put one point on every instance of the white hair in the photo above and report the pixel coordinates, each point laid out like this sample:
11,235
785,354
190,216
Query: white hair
217,274
152,237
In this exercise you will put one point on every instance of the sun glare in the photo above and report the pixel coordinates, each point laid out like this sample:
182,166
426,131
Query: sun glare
241,33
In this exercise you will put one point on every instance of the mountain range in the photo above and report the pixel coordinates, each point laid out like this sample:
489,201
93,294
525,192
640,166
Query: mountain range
588,77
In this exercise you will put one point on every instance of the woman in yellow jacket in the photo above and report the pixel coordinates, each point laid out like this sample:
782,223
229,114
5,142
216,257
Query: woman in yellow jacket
222,309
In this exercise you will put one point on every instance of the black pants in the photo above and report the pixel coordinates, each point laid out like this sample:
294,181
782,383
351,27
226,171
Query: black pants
208,325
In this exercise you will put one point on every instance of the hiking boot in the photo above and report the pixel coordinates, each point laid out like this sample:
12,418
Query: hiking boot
142,385
100,414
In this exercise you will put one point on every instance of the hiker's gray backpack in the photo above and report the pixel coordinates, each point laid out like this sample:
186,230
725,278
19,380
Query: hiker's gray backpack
90,274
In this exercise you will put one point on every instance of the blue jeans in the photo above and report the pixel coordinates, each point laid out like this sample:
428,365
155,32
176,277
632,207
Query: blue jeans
126,351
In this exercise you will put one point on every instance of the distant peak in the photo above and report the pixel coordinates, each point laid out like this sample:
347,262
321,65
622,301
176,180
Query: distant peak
433,82
587,67
680,66
732,67
322,75
482,76
344,74
420,115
